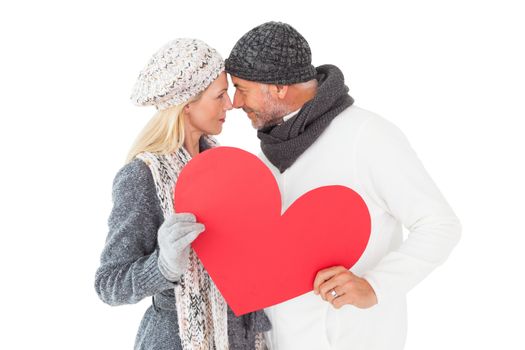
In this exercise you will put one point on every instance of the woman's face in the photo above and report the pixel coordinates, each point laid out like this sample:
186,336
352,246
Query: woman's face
207,114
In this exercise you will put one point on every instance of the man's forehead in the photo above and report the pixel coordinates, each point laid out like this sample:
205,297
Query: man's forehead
242,83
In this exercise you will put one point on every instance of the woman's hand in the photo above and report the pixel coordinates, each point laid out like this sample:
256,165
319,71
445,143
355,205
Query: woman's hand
174,237
340,287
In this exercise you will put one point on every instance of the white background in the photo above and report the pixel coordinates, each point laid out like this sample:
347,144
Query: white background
450,74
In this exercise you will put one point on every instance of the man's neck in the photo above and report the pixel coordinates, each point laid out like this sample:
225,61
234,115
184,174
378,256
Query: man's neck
298,97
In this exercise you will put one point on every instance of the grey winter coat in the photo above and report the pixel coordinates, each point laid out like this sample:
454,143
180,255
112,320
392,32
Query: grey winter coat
128,269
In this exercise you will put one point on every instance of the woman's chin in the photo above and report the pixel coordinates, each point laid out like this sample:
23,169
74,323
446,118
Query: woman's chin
216,131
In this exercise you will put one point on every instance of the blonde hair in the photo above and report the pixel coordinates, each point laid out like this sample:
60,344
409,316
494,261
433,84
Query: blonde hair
164,133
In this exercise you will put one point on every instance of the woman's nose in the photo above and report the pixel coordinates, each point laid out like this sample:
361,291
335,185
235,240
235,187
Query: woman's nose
228,105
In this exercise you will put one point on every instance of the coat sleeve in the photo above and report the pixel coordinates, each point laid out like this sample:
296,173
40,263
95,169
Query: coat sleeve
392,173
128,270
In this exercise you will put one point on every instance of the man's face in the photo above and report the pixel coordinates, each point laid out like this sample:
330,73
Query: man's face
258,103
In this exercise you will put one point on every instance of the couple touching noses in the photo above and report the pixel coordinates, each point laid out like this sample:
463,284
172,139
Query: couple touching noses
311,135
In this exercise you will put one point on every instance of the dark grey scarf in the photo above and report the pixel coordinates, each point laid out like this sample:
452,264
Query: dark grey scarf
282,144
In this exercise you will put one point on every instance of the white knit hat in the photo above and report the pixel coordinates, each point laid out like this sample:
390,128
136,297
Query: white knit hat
180,70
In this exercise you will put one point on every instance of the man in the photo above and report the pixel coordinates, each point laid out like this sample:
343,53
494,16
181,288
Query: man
312,135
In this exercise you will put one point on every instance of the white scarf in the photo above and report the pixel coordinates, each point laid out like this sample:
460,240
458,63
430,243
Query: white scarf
201,310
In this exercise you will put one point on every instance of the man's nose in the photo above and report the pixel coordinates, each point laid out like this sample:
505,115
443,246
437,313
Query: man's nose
237,100
228,104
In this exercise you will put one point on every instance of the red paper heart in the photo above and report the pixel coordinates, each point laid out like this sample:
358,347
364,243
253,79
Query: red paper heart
255,256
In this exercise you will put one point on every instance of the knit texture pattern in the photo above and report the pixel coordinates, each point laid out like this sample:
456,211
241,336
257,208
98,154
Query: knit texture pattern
180,70
272,53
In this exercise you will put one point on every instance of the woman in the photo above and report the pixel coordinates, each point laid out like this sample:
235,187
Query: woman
147,251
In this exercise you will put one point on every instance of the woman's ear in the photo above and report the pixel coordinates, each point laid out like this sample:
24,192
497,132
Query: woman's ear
186,109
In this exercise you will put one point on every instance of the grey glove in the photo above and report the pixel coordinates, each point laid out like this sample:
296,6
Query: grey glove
174,237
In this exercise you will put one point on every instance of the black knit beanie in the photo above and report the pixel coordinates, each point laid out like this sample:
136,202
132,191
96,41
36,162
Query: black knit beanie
272,53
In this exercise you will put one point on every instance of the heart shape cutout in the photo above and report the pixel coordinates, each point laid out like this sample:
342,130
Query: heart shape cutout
256,256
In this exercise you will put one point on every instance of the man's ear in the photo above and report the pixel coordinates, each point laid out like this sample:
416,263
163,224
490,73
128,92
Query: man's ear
280,91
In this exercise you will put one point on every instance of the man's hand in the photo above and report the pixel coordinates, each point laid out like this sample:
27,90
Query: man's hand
349,289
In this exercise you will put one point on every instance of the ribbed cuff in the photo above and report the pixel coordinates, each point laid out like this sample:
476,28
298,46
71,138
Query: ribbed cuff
152,278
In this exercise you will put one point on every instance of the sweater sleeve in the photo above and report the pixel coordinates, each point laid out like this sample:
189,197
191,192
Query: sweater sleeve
394,176
128,269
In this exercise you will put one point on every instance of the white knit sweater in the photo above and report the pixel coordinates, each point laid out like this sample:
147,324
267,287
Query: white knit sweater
366,153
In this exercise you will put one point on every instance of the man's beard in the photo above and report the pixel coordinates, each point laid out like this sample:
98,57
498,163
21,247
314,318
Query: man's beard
272,115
